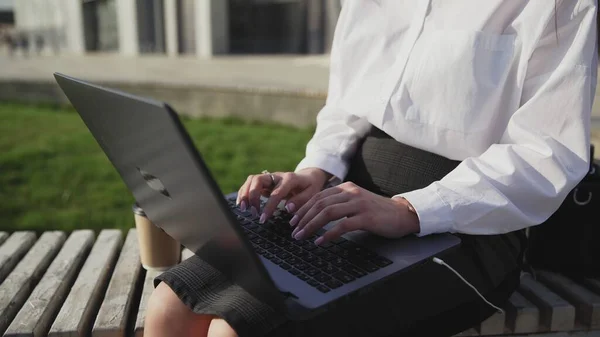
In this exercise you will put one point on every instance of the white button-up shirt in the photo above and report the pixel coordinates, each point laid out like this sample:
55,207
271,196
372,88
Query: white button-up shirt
504,86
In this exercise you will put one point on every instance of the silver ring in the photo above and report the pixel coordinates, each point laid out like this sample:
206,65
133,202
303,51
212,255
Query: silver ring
271,176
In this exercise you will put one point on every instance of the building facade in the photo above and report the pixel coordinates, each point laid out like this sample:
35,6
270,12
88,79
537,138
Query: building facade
177,27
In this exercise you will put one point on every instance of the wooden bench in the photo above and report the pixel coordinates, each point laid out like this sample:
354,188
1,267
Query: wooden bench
77,285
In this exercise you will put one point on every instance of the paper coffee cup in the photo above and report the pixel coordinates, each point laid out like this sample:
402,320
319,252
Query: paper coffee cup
158,251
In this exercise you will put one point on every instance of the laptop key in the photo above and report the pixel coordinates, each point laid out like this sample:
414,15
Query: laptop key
309,245
301,266
313,282
285,266
252,226
367,254
381,261
323,288
312,272
250,235
319,263
301,243
258,240
283,255
276,261
348,244
267,255
259,251
303,277
329,269
343,276
328,256
339,240
292,249
293,260
295,272
319,251
275,250
338,262
309,257
333,284
362,264
301,253
322,277
354,271
326,245
266,245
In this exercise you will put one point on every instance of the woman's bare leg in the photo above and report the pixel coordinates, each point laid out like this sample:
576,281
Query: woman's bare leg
166,315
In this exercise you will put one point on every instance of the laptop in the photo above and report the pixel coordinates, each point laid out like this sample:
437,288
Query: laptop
156,158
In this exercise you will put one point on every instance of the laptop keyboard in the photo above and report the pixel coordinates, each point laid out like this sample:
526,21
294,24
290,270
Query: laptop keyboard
324,267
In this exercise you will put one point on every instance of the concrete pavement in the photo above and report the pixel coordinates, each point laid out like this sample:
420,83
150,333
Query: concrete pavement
287,89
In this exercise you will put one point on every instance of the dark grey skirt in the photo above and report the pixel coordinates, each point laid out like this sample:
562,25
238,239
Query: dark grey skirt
428,300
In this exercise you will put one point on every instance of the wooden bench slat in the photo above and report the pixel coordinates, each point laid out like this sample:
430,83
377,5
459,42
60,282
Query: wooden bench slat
522,315
493,325
587,304
116,307
13,250
3,237
81,306
556,314
36,316
18,285
147,291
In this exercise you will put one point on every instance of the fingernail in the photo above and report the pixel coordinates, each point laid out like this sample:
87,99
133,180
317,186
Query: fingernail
290,207
254,211
243,206
294,220
296,230
263,218
299,235
319,241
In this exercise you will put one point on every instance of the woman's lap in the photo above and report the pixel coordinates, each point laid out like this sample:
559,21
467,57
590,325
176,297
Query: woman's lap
426,297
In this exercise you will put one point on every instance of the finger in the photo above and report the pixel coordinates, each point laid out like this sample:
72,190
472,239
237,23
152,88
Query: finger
309,204
347,225
282,189
293,203
242,197
328,214
259,182
318,207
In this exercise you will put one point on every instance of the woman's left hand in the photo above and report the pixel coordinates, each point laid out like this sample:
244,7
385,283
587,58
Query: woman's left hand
391,218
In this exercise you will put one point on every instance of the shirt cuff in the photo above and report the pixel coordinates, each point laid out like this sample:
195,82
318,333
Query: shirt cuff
326,162
435,215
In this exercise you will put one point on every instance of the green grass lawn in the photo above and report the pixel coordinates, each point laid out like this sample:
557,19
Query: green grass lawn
53,175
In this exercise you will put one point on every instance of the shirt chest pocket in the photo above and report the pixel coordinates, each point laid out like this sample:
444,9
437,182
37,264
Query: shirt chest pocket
458,80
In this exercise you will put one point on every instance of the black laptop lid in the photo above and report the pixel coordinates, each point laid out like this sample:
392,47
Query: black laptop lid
149,147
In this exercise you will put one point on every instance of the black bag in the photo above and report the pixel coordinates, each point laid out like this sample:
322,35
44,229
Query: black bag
569,241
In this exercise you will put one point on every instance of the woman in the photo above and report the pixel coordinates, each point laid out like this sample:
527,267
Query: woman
468,117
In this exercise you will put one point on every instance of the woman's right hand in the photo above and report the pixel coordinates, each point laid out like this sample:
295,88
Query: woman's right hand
296,188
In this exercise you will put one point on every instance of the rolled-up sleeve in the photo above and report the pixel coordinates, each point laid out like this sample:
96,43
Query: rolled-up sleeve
544,151
337,131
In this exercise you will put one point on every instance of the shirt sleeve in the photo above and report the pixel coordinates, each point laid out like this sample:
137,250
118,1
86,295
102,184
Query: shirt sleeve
544,151
337,131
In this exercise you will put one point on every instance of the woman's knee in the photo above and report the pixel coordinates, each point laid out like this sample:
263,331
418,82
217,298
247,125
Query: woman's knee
220,328
166,315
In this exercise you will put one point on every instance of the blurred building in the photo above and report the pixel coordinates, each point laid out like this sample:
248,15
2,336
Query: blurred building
175,27
6,12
